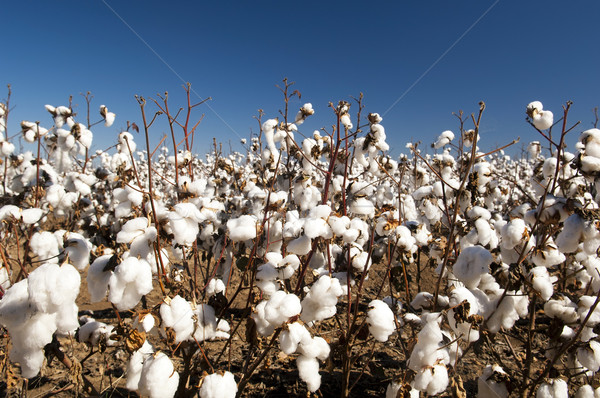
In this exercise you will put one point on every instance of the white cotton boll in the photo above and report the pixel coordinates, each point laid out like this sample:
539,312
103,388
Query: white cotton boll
308,370
300,246
562,308
268,129
514,233
178,315
320,301
514,306
589,355
543,120
360,259
158,378
549,255
586,391
315,347
542,282
471,264
444,139
487,388
44,246
464,329
362,206
52,286
31,216
215,286
381,320
135,365
131,280
92,332
572,232
218,385
4,278
242,228
78,249
292,336
554,388
98,279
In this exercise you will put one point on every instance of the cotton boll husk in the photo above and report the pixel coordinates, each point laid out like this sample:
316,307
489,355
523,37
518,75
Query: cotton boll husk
131,280
218,385
98,279
471,264
158,378
178,315
308,369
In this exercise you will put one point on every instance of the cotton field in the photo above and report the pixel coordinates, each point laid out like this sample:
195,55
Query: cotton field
314,256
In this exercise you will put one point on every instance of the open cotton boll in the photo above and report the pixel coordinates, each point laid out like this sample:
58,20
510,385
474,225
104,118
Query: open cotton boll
109,117
380,319
444,139
177,314
44,246
460,321
206,323
554,388
78,249
136,364
514,305
242,228
583,308
308,370
92,332
321,300
589,356
184,222
432,380
542,282
215,286
471,264
587,391
52,286
362,207
98,279
293,334
548,255
360,259
300,246
569,237
4,278
139,235
514,233
489,388
218,385
131,280
562,308
158,378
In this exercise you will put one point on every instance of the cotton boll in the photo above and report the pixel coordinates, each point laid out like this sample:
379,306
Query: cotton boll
320,301
471,264
300,246
158,378
215,286
131,280
583,308
589,356
513,306
293,334
78,249
98,279
135,365
4,278
562,308
177,314
218,385
554,388
92,332
184,222
487,387
380,319
308,369
44,246
543,282
242,228
445,138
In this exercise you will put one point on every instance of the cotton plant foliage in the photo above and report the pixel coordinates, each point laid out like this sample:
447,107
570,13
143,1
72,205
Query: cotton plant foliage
300,228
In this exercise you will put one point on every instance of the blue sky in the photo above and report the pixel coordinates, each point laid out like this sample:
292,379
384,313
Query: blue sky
236,52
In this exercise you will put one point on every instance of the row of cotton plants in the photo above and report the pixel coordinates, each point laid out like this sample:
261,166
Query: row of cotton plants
307,244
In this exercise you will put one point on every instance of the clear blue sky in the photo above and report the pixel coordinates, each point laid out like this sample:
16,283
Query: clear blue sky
236,52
